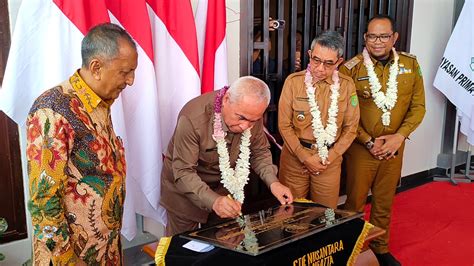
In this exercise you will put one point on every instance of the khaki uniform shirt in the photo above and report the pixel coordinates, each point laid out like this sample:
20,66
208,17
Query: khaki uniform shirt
294,117
191,177
409,109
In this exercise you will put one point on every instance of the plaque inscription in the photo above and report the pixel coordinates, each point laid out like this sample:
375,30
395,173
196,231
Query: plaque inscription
265,230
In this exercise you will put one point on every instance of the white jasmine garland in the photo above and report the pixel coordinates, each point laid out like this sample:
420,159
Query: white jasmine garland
233,180
325,137
250,241
387,101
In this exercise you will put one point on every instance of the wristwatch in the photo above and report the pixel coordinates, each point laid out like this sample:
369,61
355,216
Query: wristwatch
370,144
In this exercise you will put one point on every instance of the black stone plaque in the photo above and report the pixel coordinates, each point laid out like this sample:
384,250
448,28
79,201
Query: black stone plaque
265,230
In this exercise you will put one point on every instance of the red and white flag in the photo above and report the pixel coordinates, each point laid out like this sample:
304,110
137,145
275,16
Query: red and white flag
176,59
45,49
136,117
211,30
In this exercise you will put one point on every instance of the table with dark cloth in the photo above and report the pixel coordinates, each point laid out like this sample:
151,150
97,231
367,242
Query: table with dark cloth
338,245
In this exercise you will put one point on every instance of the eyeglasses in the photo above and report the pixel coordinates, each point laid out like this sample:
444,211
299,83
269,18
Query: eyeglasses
317,62
374,37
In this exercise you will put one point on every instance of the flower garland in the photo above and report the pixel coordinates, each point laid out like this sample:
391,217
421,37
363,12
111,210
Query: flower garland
250,241
233,180
325,137
384,102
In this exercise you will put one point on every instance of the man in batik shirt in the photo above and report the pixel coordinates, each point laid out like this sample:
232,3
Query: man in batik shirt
76,163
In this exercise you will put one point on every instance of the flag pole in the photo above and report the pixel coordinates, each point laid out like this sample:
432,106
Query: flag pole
453,177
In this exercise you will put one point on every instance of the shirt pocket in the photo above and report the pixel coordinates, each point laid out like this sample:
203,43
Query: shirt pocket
363,92
362,83
301,113
405,84
209,157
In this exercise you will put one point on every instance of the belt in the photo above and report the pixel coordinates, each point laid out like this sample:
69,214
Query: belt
310,145
307,144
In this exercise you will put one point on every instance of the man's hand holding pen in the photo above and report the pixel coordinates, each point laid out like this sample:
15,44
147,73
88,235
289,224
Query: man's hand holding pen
227,207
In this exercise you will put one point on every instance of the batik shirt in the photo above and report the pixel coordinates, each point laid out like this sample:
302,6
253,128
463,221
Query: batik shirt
76,168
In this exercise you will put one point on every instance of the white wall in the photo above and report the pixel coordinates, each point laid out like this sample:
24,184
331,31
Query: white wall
431,28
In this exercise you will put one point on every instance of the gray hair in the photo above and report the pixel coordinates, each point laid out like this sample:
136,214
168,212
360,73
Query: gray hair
103,40
249,85
330,39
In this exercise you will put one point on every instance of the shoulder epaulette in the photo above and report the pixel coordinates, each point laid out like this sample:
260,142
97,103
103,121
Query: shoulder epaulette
408,54
351,63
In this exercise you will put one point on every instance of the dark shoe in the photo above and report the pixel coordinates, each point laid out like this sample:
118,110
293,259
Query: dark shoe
387,259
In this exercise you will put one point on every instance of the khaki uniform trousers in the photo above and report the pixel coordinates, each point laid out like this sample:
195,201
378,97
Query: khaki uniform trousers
322,188
365,173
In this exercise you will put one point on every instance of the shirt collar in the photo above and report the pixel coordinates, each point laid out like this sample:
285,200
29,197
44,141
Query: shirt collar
87,96
329,79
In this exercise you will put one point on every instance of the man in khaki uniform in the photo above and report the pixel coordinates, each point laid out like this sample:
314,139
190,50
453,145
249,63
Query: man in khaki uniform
310,162
191,179
387,117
